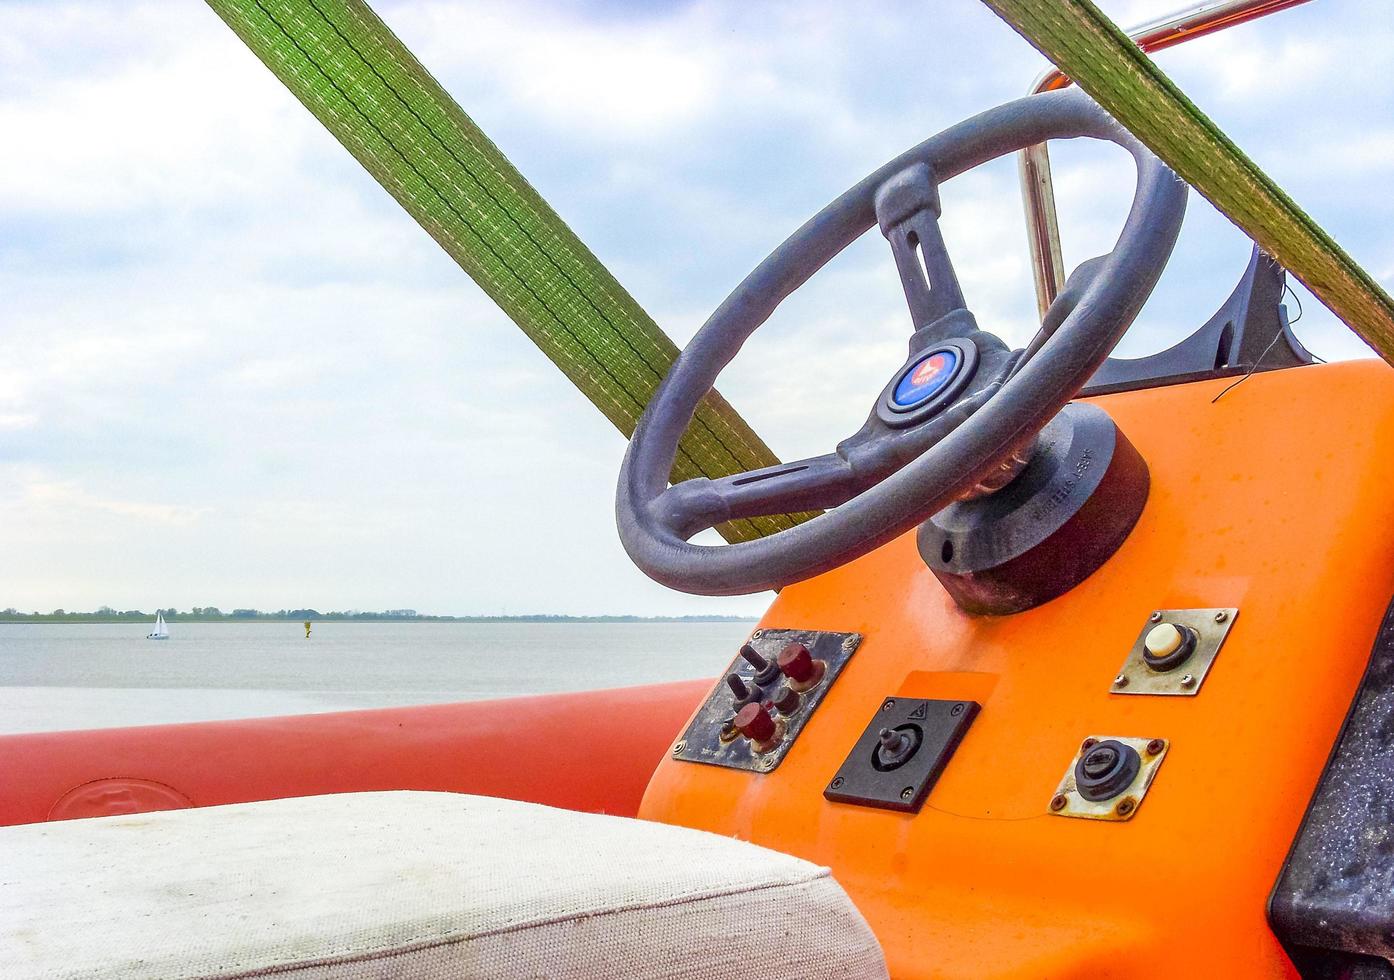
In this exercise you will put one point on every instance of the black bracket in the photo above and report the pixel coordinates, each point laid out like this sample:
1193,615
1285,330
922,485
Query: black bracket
1250,332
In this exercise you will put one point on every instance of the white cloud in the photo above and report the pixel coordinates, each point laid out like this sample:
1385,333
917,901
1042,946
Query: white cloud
217,324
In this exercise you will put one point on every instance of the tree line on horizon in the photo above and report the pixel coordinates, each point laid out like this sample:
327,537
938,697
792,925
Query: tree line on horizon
212,614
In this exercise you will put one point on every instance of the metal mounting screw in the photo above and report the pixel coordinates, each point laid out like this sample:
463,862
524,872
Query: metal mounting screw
767,762
1156,617
956,710
1057,802
849,643
890,703
1155,746
1188,680
1221,616
1088,744
682,744
907,792
1125,807
1121,680
757,634
837,781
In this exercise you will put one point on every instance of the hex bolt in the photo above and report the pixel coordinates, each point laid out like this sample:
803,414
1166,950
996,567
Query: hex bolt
1221,616
1121,680
907,792
1188,680
1125,807
1155,746
1057,802
1156,617
1088,744
837,781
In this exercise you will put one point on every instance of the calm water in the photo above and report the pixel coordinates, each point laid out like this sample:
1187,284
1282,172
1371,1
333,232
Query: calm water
56,677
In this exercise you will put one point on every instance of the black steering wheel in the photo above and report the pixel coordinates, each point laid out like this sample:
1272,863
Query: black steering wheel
958,418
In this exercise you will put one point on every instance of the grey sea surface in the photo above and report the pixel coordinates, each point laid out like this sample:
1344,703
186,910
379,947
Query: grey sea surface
56,677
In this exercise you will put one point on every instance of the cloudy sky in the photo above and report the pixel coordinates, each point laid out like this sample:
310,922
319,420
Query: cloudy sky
234,372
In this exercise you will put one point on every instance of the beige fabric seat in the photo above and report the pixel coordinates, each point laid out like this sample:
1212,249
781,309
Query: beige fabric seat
414,885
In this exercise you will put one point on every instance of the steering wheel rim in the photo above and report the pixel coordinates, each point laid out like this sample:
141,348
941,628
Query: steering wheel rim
967,441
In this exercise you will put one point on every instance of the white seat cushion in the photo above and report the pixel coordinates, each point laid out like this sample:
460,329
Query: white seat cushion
413,885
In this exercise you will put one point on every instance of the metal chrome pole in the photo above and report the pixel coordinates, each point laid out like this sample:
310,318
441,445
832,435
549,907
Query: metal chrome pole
1037,191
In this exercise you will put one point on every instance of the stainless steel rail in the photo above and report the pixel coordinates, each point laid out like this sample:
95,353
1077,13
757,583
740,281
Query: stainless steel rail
1038,194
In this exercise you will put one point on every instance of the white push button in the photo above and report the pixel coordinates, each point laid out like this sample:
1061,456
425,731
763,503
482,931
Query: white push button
1163,640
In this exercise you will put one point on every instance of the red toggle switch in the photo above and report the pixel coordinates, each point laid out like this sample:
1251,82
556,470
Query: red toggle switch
798,665
755,723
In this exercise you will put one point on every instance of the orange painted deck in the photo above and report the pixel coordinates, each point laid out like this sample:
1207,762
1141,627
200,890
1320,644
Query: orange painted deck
1276,499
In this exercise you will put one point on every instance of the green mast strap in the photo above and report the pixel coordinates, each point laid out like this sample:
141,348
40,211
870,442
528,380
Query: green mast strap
340,60
1100,58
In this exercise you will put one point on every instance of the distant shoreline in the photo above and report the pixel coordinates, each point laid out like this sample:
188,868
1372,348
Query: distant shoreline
49,619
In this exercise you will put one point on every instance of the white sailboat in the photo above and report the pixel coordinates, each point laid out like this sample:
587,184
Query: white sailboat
161,631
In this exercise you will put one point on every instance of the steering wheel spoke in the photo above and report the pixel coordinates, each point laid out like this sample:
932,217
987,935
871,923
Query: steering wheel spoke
816,483
908,210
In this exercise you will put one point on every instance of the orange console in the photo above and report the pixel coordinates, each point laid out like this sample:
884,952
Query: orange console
1271,506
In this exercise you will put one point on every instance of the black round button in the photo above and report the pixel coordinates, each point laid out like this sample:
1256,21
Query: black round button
1106,770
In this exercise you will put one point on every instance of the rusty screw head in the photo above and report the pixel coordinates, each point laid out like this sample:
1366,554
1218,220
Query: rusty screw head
837,781
1221,616
1125,806
1057,802
1156,617
1088,744
907,792
1155,746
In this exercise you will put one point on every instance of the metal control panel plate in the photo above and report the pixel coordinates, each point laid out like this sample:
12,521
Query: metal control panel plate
1210,627
704,741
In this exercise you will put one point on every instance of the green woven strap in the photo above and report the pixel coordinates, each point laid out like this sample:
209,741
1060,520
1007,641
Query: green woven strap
1100,58
348,69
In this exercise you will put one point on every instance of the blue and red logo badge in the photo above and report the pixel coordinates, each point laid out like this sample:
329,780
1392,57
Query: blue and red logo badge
925,379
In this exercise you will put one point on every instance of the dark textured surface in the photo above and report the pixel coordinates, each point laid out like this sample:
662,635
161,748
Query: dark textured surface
1336,891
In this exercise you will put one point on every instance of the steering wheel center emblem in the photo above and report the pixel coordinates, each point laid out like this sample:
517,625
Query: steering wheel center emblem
928,382
925,379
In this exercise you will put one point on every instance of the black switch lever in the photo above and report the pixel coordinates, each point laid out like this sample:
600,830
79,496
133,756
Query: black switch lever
765,672
740,690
